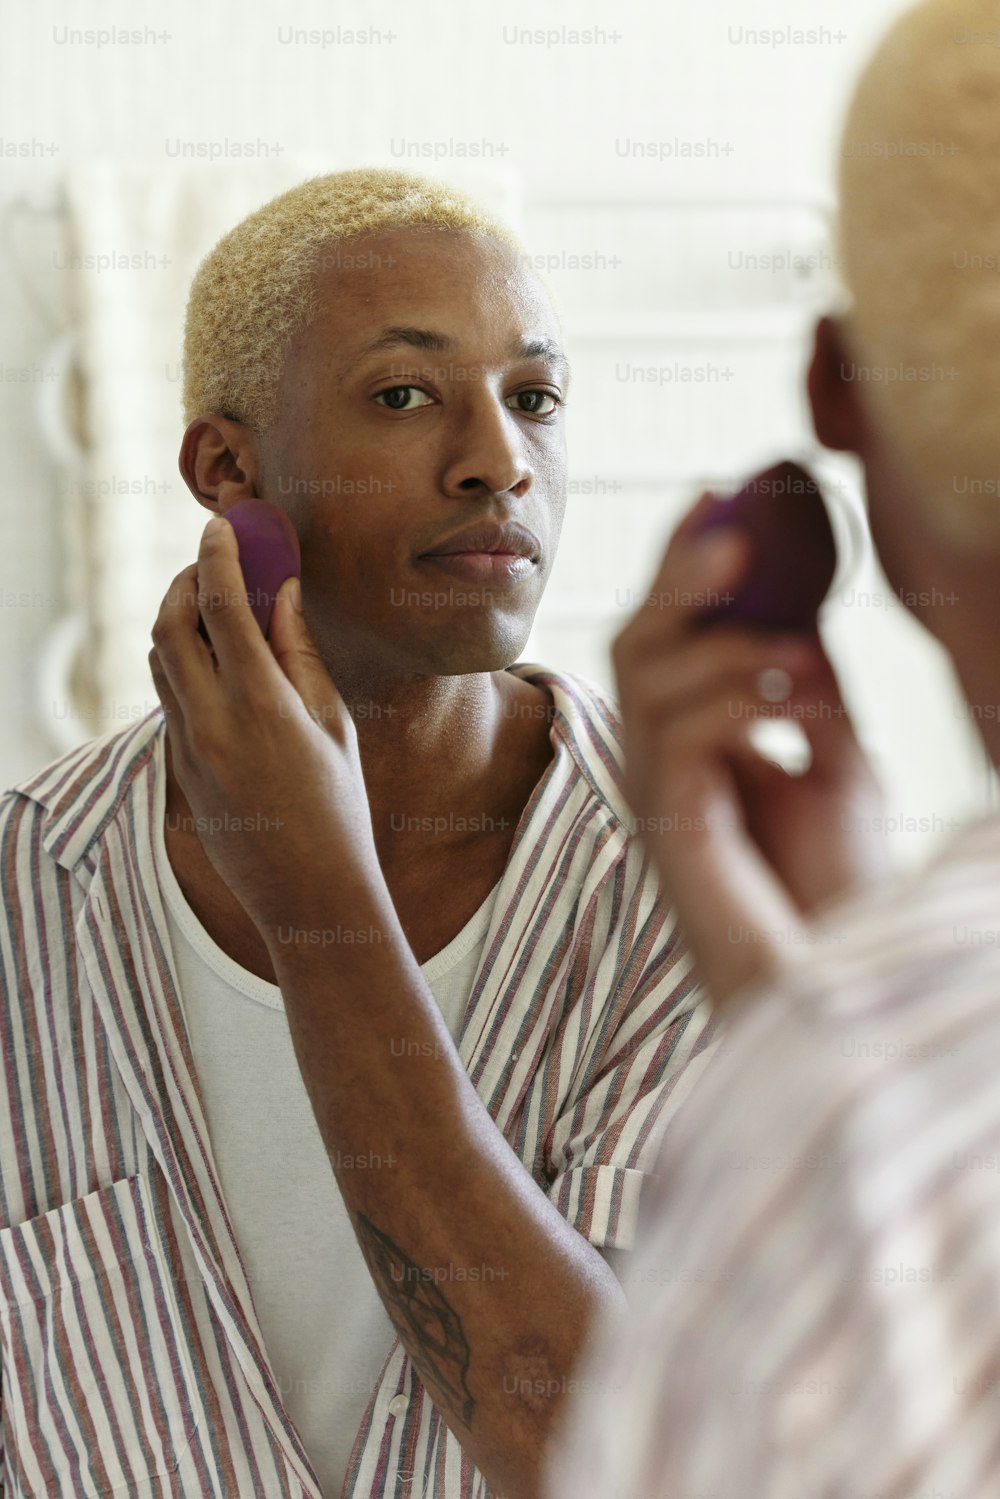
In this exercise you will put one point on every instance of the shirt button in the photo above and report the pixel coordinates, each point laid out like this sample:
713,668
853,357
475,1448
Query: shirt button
398,1405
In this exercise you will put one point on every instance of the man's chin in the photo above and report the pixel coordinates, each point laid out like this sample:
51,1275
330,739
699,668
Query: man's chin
458,656
425,644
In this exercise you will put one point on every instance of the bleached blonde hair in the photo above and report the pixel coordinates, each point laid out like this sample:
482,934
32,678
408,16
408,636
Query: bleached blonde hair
256,289
919,244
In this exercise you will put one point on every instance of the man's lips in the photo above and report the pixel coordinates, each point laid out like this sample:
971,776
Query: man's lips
489,552
491,539
475,552
482,567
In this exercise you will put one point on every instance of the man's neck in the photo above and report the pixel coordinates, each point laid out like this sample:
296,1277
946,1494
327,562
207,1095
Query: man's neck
434,745
467,747
964,617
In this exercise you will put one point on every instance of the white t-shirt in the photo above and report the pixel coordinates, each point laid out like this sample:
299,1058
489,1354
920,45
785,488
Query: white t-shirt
325,1329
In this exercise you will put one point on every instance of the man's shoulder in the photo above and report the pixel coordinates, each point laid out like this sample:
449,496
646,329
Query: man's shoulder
895,991
76,794
926,927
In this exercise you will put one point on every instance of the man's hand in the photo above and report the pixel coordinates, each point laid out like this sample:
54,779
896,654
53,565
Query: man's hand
261,742
747,852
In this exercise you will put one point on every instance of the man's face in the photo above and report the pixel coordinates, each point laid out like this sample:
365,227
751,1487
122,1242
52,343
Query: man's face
422,400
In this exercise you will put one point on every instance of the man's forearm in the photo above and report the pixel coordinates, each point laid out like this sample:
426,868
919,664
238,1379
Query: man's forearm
491,1291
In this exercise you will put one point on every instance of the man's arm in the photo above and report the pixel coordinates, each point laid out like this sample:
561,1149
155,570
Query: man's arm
489,1278
492,1292
617,1259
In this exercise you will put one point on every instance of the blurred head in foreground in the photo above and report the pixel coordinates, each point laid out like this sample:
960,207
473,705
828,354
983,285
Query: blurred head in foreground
908,376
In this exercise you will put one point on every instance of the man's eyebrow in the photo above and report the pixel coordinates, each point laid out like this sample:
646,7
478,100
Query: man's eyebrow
544,348
429,339
417,338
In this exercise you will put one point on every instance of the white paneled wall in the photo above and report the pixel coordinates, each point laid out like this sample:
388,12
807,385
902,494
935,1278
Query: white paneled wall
659,148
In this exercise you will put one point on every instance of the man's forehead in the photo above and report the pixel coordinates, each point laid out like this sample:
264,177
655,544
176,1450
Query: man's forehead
408,265
438,291
522,346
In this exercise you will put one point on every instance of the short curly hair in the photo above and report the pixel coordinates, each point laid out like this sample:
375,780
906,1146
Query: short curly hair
256,289
919,243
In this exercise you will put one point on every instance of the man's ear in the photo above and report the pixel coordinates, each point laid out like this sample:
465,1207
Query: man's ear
836,413
218,461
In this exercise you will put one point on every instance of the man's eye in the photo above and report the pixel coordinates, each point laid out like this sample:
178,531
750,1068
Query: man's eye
397,397
535,398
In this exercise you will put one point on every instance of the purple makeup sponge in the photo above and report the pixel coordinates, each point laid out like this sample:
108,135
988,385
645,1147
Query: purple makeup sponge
269,553
794,553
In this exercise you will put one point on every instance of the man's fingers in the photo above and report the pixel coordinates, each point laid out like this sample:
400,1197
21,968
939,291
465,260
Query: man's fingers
297,654
177,727
694,577
681,752
185,661
820,708
164,691
740,663
224,604
722,723
661,735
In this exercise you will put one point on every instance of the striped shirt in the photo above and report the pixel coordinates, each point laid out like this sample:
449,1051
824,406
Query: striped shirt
817,1315
132,1357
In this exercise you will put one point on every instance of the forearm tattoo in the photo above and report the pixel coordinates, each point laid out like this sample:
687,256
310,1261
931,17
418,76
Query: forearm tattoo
429,1326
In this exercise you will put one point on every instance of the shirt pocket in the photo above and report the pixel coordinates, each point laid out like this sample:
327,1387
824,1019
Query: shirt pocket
99,1391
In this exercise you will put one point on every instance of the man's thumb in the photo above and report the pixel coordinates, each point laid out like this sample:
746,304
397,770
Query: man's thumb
291,593
295,652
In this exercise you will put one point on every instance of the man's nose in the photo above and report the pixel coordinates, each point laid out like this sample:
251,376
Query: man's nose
486,450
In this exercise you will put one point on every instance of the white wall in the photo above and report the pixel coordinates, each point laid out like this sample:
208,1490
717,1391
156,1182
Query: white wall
598,131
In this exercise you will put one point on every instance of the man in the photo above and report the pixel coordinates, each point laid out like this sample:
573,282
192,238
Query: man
817,1315
342,1016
